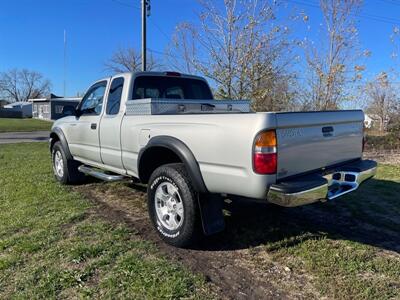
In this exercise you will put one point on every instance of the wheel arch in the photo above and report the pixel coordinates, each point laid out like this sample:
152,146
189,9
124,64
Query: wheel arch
161,150
58,135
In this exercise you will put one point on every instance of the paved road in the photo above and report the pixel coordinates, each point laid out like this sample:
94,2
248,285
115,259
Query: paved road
24,137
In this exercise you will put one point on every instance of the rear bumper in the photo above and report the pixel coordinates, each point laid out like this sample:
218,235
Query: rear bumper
322,186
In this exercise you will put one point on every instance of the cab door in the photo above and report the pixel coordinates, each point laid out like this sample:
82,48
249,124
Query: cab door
84,141
110,125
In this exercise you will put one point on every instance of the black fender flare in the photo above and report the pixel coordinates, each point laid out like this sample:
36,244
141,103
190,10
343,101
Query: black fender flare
57,132
185,155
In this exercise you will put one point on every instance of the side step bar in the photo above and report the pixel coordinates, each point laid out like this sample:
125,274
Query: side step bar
99,174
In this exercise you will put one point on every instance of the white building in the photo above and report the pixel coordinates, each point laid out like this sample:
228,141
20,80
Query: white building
51,108
368,121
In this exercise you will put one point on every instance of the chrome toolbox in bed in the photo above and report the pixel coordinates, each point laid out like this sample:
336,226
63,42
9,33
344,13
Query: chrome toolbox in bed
152,106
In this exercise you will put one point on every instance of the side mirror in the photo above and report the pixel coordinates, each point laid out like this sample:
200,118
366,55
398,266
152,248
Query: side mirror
69,110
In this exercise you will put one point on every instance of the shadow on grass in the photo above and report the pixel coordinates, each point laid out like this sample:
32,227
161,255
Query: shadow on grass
369,216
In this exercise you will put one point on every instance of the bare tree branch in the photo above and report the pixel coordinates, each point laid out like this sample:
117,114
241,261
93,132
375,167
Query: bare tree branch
332,64
21,85
239,47
383,100
129,60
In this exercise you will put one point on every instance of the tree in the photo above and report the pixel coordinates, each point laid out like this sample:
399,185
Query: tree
21,85
241,49
383,101
332,64
129,60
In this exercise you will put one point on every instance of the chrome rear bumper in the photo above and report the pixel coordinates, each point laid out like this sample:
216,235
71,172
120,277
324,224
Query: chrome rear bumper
318,187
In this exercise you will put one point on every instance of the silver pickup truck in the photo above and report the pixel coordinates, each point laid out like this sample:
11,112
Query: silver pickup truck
165,130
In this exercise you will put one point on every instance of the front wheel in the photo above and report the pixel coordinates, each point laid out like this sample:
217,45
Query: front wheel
65,170
173,206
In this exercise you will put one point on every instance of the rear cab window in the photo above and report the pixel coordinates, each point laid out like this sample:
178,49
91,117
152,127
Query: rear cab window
164,87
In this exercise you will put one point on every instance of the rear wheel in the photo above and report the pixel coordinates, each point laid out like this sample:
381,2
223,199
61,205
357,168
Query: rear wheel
65,170
173,206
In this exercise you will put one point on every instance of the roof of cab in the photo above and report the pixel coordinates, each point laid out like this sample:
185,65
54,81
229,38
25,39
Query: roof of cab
153,73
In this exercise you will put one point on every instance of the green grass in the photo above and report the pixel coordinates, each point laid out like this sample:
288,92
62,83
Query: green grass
13,125
52,245
355,254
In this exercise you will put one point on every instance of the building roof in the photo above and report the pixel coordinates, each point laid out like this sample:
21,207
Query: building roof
55,99
38,100
15,104
67,99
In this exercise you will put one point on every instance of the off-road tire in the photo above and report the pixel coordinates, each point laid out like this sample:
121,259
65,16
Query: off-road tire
70,173
190,229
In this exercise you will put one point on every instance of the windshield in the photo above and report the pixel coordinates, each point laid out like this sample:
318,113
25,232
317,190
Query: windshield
163,87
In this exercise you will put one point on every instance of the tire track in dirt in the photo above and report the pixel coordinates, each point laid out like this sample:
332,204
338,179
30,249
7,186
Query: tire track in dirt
228,279
240,263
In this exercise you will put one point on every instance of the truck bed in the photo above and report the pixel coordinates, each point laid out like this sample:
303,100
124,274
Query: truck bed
223,144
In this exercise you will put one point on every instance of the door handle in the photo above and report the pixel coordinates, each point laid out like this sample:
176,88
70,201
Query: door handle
93,126
327,129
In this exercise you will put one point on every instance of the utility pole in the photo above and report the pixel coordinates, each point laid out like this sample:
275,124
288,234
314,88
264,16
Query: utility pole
145,14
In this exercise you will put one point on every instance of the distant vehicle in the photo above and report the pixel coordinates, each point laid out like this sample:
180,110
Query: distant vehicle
166,130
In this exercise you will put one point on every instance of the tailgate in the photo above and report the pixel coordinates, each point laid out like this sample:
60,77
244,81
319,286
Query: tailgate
314,140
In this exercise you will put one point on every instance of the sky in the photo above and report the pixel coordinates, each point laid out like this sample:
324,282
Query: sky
32,33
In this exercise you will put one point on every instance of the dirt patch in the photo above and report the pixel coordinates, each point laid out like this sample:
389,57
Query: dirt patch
241,262
226,268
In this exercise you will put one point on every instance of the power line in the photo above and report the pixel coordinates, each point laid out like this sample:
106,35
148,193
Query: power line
361,82
174,56
377,18
160,30
151,21
372,17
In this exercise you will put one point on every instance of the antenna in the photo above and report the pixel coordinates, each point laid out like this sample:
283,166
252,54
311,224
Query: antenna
65,63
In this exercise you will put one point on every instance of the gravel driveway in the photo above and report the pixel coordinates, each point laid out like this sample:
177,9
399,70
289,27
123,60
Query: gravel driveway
23,137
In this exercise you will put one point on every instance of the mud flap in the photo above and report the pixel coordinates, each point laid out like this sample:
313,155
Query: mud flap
212,217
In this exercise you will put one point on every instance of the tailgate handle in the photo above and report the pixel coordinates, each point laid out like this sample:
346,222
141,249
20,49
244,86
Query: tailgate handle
327,129
207,107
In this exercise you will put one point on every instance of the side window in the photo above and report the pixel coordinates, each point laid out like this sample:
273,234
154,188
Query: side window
114,96
92,102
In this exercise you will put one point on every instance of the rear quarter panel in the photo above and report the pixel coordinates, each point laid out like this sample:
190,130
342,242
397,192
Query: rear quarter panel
221,143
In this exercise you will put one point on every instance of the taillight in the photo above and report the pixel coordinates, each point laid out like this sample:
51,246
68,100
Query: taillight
264,157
